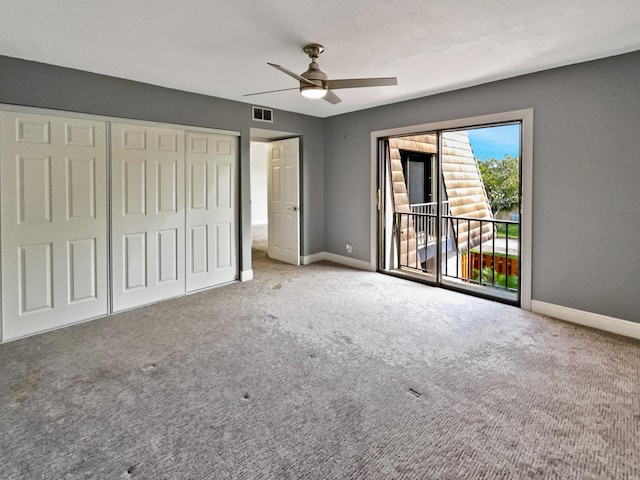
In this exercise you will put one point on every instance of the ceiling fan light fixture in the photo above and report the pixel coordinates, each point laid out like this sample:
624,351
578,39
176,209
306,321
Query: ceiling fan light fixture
313,92
315,84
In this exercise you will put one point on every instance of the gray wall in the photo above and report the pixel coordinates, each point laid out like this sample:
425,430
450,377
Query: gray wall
40,85
586,162
586,176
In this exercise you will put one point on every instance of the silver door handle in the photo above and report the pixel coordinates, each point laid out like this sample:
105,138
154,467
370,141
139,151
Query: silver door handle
295,209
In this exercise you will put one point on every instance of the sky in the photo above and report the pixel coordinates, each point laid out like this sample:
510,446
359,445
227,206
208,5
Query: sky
495,142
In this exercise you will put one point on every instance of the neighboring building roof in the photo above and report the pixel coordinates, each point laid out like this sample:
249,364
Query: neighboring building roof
462,183
465,189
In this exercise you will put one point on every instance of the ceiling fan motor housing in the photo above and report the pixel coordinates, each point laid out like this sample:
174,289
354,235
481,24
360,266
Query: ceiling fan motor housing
315,75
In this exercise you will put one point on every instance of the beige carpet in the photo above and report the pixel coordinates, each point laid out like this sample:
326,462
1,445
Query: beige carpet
321,372
259,241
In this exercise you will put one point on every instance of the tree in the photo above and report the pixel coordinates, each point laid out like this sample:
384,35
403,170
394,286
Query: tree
501,180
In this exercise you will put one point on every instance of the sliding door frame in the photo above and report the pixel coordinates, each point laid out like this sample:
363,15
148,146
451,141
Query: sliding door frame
525,117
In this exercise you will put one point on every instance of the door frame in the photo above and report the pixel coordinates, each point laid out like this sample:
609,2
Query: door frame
525,116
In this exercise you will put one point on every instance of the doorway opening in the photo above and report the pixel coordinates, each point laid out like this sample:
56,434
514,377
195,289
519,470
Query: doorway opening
451,208
275,195
259,199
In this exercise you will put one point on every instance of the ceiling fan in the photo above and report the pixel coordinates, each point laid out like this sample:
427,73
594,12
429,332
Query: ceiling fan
314,83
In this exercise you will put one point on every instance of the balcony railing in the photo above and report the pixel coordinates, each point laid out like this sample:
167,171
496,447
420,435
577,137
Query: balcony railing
493,261
490,255
424,223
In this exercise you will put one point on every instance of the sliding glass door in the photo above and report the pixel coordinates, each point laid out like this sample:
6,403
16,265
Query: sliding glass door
450,208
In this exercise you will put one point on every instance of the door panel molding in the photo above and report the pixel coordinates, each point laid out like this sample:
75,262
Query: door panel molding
212,210
54,221
147,215
86,256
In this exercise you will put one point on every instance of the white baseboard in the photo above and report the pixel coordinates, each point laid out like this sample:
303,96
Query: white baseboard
246,275
341,259
316,257
588,319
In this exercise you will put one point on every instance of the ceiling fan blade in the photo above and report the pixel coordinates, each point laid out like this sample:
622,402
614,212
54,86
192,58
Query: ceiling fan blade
362,82
291,74
332,98
270,91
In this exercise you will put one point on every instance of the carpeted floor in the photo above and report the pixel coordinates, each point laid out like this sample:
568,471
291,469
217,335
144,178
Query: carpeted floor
321,372
259,240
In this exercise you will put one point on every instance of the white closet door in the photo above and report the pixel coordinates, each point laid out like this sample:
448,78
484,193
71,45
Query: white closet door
211,210
54,222
147,214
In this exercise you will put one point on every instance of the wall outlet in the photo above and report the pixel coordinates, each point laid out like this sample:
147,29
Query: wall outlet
348,247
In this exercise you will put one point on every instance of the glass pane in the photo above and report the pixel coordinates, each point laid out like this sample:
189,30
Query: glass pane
481,175
416,181
470,237
410,168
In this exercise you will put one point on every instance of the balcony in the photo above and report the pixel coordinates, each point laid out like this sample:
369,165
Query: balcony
481,252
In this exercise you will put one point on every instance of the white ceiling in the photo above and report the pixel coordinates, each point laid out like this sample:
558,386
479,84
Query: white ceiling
220,48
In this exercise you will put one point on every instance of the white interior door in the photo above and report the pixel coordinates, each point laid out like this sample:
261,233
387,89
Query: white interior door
284,201
147,214
54,222
211,255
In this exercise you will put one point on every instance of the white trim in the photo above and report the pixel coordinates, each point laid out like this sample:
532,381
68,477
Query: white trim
349,262
587,319
526,117
105,118
316,257
342,260
199,290
246,275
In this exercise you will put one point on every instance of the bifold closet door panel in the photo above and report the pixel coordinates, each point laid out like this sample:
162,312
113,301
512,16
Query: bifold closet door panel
147,214
212,213
54,222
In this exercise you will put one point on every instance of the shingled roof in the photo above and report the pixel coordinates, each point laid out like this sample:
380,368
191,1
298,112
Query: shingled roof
462,183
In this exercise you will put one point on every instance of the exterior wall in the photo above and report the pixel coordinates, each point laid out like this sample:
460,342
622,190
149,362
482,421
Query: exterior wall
464,188
39,85
586,172
408,243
